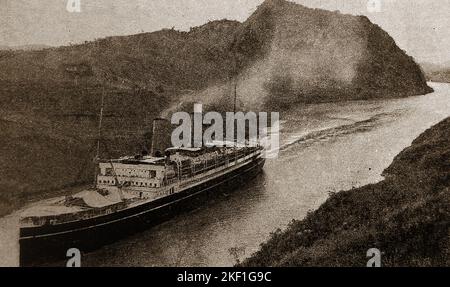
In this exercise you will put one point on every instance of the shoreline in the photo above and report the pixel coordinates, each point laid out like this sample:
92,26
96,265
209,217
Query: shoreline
406,216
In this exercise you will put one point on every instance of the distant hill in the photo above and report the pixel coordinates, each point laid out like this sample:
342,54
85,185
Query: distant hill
406,217
284,54
24,47
437,73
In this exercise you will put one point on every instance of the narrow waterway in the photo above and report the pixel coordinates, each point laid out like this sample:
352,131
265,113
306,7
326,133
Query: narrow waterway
326,147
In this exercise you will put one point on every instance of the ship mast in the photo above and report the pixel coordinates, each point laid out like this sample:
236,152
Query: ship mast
235,82
235,94
235,78
97,156
99,134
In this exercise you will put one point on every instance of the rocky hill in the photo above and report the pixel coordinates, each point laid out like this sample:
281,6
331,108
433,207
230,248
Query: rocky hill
24,47
437,73
282,55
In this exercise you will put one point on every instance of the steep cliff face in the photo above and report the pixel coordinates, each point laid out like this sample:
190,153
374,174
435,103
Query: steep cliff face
283,54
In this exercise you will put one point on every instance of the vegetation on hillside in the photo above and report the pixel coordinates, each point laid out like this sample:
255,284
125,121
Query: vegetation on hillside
283,54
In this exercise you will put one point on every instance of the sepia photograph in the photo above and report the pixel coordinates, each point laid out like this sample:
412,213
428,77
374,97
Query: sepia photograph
246,134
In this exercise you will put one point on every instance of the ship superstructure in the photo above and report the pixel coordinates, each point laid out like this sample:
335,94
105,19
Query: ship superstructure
133,180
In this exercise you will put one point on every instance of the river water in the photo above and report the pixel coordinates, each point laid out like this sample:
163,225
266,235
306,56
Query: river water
324,148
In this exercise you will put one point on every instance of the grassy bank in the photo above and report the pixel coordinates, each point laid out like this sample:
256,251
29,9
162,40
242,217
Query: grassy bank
406,216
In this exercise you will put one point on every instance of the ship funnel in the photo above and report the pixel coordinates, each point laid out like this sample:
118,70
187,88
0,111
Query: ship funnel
161,136
197,124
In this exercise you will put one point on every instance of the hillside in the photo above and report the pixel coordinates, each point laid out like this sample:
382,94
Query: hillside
283,54
406,216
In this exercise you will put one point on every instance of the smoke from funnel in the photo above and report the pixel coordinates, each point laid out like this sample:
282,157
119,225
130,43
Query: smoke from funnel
162,130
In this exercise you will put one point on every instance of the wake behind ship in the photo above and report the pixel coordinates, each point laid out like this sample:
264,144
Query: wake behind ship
132,194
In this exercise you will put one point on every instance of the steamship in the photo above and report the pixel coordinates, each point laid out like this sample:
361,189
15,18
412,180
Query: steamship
133,193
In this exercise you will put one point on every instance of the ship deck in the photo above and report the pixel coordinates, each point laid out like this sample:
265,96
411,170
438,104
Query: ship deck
86,199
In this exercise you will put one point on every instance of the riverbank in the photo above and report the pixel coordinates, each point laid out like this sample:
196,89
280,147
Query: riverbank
406,216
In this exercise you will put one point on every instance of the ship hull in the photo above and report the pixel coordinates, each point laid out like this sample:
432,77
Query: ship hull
48,243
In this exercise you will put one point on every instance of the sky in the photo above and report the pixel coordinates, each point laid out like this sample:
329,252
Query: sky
421,27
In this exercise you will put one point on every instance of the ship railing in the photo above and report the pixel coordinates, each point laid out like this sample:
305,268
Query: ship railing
192,176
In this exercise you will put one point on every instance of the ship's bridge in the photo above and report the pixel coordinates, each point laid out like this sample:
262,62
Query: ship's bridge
143,172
